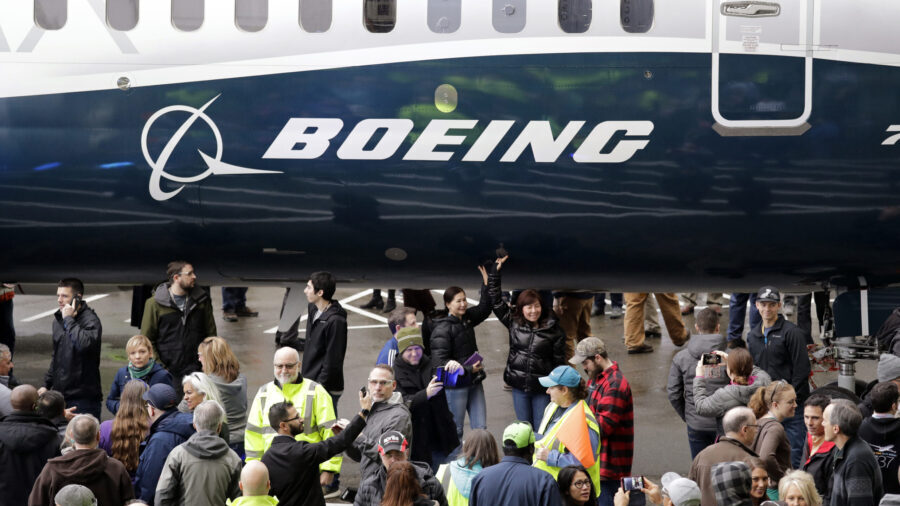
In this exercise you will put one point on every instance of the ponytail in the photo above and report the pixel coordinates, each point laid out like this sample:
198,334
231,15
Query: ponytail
758,402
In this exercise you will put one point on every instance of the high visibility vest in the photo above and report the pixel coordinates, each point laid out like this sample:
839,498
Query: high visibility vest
551,442
311,401
454,497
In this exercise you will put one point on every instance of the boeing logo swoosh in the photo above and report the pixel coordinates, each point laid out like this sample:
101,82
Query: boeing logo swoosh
215,165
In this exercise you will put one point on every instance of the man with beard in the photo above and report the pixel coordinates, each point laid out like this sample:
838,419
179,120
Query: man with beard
294,465
312,403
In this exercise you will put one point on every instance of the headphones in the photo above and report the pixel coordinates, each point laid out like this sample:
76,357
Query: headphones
402,447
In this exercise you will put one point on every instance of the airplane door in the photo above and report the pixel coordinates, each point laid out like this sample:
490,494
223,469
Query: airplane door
762,66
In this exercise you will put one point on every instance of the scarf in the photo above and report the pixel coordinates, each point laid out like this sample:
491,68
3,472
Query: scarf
140,373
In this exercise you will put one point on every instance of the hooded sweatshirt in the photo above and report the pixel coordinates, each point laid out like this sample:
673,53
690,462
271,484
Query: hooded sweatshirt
717,403
681,379
104,475
461,478
387,415
27,442
201,471
883,436
234,399
175,334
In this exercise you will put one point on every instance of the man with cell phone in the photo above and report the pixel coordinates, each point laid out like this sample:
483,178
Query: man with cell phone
75,361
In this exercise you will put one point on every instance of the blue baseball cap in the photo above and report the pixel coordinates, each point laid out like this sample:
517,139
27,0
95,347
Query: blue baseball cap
562,375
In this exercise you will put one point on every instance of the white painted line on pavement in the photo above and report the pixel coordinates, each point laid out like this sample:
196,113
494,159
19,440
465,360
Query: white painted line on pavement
342,301
48,313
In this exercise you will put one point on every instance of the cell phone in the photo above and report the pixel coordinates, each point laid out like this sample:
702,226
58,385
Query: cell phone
364,391
441,374
712,359
474,358
77,302
630,483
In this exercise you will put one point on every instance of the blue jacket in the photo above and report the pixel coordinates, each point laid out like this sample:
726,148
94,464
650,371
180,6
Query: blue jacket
169,431
388,352
157,375
513,482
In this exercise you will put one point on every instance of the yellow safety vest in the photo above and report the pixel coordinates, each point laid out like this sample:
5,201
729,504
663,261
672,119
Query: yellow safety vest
310,399
454,497
551,442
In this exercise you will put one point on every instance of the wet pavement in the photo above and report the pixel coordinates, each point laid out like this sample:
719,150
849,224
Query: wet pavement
660,435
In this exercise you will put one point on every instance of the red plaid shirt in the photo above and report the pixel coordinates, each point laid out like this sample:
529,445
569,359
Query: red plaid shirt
610,399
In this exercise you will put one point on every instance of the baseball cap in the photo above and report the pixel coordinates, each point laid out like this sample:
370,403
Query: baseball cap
161,396
409,336
520,433
391,441
587,348
562,375
682,491
75,495
768,293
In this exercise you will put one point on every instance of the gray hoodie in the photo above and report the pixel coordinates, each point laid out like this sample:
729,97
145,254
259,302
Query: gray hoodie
727,397
234,399
681,379
199,472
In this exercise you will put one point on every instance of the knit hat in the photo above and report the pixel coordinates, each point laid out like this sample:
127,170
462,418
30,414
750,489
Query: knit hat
588,348
409,336
682,491
520,433
888,367
75,495
161,396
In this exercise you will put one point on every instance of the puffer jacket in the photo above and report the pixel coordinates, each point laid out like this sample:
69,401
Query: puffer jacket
203,471
432,422
534,351
681,379
453,338
75,364
167,432
387,415
371,489
105,476
730,396
175,334
27,442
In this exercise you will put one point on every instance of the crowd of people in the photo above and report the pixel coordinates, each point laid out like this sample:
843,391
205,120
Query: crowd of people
187,431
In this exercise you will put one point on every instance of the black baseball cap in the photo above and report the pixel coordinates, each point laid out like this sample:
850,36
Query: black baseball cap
768,293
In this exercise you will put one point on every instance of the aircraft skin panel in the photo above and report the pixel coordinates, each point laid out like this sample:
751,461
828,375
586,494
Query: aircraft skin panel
613,176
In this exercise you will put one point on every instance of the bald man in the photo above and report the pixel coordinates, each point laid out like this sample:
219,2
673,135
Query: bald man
27,442
255,486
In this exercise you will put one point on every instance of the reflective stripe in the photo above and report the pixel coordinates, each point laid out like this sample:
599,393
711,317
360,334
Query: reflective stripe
445,476
326,424
253,454
310,387
260,430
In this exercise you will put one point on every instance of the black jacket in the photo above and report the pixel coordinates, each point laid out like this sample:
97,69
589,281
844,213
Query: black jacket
27,442
883,436
176,334
820,466
294,465
432,422
371,490
326,344
857,478
533,351
454,339
783,355
75,364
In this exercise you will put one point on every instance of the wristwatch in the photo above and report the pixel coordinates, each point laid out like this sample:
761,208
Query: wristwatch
364,412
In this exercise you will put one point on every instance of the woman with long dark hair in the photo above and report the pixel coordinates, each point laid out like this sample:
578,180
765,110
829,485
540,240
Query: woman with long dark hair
537,344
575,486
224,371
402,487
479,451
453,347
121,437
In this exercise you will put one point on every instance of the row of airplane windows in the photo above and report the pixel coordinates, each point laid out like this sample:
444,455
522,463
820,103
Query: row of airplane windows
379,16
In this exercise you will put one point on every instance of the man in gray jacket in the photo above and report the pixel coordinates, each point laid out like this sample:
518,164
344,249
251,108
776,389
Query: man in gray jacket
203,470
701,429
388,413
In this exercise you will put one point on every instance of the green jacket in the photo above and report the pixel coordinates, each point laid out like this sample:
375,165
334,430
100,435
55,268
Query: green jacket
175,334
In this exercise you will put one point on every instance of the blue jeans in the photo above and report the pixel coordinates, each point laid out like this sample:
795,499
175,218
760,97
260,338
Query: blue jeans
234,298
470,399
796,434
530,407
608,490
86,406
700,439
737,311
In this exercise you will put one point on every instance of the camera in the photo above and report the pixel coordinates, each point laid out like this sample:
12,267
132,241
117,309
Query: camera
712,359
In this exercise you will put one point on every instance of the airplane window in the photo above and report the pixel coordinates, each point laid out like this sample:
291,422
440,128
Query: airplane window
574,15
122,14
315,15
50,14
251,15
444,16
636,15
187,15
509,15
380,15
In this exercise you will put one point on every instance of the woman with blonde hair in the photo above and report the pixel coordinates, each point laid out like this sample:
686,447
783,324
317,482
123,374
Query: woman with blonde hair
223,369
771,405
141,366
797,488
121,437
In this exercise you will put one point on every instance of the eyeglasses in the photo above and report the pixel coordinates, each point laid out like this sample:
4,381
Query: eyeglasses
582,484
383,383
292,419
189,273
286,366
